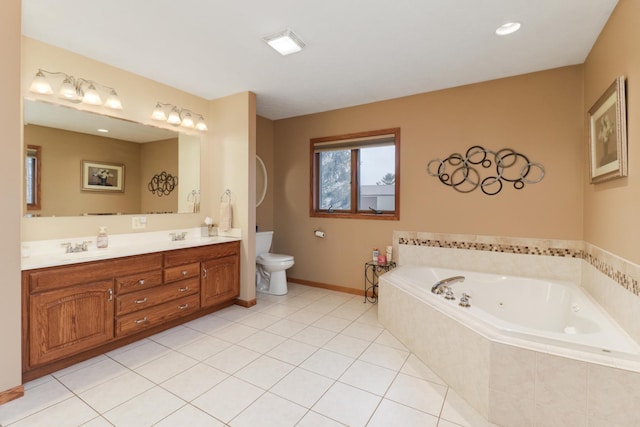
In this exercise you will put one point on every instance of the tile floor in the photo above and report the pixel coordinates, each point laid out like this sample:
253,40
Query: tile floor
312,357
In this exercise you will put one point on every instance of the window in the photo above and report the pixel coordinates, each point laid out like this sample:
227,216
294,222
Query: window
32,177
356,175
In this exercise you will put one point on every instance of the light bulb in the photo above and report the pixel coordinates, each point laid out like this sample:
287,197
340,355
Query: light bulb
40,84
158,113
201,125
174,117
68,90
91,96
187,121
113,101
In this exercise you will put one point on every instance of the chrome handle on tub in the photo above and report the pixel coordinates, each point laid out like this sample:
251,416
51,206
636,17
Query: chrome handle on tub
141,301
464,300
144,319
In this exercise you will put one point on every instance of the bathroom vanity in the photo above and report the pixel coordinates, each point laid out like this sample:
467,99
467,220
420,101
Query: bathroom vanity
76,311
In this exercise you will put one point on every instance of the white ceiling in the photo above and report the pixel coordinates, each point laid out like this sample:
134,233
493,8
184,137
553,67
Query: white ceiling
358,51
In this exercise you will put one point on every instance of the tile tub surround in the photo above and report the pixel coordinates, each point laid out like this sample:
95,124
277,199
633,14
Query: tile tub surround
508,385
611,280
524,385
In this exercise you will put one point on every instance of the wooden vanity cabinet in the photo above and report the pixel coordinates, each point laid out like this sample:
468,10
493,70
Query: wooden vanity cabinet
219,270
71,313
65,321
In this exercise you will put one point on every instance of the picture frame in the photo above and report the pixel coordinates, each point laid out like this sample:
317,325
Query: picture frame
608,134
102,176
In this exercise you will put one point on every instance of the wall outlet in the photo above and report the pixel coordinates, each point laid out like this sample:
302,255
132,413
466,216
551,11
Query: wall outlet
138,222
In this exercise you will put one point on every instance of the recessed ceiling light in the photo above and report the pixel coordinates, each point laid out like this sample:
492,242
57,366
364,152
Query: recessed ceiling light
285,42
103,130
508,28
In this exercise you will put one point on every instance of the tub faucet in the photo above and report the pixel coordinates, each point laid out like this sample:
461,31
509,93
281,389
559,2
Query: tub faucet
438,288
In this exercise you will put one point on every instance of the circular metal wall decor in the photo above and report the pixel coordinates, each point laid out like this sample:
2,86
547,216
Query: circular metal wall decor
162,184
486,169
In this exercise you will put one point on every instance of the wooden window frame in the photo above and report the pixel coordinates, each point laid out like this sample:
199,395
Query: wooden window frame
37,187
353,212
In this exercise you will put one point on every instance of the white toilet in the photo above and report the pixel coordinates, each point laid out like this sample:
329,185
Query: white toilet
270,268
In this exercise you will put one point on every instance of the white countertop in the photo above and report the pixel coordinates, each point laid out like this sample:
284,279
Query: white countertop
50,253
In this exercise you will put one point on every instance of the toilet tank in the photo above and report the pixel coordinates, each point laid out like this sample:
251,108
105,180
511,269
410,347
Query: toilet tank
263,242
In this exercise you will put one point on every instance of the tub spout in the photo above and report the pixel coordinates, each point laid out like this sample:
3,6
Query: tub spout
438,288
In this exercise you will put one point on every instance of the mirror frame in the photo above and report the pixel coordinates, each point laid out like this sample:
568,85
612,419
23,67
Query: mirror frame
263,169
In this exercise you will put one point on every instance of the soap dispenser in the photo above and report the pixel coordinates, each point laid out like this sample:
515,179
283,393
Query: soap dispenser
103,240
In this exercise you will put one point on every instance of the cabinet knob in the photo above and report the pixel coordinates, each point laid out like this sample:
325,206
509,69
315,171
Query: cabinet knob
184,272
144,319
141,282
141,301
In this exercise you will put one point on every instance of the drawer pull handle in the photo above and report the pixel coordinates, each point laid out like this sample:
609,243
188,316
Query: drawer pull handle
141,301
185,289
141,282
144,319
184,272
110,294
183,306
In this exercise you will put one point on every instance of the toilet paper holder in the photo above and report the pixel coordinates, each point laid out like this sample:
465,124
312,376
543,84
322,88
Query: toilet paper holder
319,233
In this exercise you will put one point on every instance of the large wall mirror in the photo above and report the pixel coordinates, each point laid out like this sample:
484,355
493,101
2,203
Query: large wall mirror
89,164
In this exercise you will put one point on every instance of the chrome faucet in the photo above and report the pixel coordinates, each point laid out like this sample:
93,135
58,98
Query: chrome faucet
178,236
77,247
439,287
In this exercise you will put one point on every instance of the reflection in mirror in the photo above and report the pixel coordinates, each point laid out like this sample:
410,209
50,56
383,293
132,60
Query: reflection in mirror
32,172
261,181
69,136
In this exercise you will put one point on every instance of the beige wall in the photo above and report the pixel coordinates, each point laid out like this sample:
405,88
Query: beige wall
159,156
539,115
231,157
611,208
265,149
11,167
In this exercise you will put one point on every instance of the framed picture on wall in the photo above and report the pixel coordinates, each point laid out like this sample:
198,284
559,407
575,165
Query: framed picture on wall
608,134
101,176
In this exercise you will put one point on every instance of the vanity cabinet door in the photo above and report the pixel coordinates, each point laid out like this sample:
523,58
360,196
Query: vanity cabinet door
220,280
68,321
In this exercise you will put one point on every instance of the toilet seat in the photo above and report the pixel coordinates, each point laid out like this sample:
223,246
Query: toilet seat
273,259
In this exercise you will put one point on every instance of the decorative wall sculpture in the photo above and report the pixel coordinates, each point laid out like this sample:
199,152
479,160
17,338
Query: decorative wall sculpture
162,184
486,169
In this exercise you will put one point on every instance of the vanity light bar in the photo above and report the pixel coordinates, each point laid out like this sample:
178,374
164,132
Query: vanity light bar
75,89
177,116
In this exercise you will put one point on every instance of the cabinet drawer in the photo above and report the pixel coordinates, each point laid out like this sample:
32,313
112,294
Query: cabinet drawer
182,272
135,301
136,282
140,320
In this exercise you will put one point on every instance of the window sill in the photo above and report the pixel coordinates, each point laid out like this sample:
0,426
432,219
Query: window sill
352,215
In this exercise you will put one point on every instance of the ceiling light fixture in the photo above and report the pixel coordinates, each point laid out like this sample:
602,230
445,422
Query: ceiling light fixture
177,116
75,89
285,42
508,28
